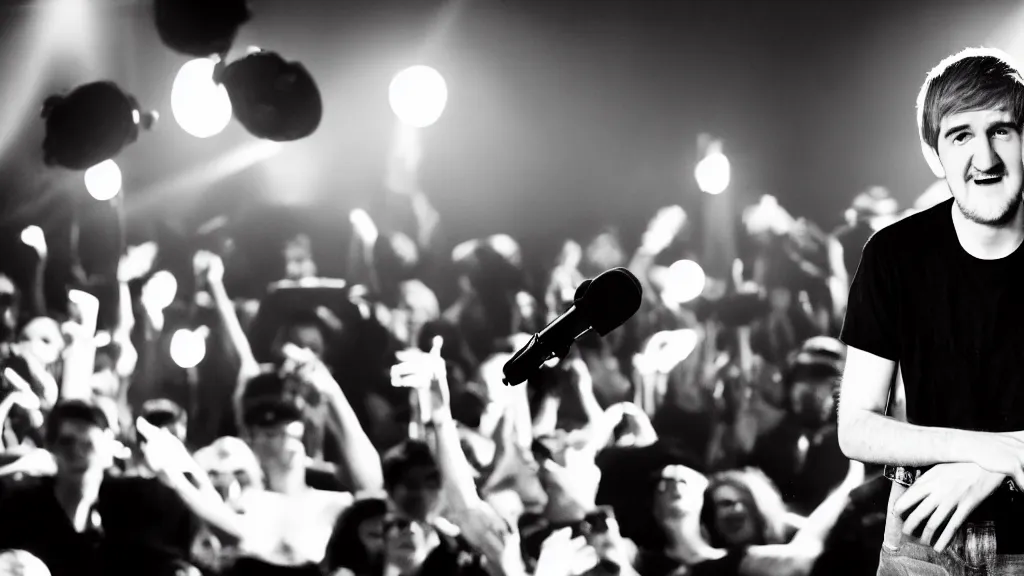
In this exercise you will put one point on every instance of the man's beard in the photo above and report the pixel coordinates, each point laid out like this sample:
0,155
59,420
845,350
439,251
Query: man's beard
1007,215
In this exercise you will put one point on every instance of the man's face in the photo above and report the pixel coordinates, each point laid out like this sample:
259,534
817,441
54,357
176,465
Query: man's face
418,494
81,448
308,336
812,401
980,152
44,339
680,492
298,264
278,445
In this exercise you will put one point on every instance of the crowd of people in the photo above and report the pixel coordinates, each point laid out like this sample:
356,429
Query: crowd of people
359,427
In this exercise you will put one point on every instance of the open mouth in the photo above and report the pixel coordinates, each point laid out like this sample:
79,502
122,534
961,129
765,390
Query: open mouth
987,180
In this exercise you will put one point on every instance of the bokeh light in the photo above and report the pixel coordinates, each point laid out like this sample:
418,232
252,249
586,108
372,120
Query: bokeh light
188,348
713,173
103,181
162,288
200,106
418,96
685,281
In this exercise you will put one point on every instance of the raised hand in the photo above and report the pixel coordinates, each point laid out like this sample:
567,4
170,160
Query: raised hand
563,555
210,265
137,261
364,227
33,237
663,228
164,454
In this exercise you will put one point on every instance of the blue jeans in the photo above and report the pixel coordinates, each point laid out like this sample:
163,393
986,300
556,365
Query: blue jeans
972,551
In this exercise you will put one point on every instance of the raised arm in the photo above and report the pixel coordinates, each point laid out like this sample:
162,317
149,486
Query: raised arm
213,267
360,462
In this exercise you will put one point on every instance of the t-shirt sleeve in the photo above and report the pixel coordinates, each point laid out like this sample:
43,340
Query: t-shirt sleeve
871,314
728,565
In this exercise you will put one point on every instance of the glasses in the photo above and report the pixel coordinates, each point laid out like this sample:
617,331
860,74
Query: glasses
667,484
391,522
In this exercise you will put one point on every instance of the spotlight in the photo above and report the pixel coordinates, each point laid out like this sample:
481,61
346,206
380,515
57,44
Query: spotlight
418,96
272,98
200,27
91,124
200,106
713,172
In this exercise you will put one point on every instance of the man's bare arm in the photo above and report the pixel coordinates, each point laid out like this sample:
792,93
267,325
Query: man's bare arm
868,435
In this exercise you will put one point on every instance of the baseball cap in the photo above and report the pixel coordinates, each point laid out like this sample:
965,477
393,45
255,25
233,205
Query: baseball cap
162,412
272,411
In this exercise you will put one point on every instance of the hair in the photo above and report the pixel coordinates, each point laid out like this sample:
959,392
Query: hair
762,499
345,550
397,461
972,79
76,410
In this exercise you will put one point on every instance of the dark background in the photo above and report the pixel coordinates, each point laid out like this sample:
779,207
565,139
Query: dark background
562,116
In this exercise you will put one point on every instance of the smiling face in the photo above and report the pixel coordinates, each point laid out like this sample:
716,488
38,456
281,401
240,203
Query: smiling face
980,152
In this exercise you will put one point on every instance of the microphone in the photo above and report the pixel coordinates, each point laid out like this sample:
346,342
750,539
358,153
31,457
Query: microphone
602,305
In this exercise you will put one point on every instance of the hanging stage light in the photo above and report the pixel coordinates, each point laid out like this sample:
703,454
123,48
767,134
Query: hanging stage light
92,123
200,27
272,98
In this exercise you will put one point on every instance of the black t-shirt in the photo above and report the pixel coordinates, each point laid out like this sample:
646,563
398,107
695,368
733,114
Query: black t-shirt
659,564
139,527
952,321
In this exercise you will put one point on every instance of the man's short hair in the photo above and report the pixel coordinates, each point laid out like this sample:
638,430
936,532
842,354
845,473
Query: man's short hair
407,455
973,79
77,410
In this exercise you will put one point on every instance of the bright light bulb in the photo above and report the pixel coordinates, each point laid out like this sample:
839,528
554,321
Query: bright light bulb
713,173
188,348
200,106
418,96
686,281
162,288
103,181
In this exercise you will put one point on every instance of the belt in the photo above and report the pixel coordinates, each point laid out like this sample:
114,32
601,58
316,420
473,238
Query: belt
906,476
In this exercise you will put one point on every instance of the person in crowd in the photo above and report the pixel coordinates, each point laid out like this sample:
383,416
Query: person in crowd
801,453
869,210
743,508
298,258
356,547
83,520
678,505
936,295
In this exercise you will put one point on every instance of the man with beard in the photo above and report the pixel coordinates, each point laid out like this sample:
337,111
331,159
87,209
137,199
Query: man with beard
801,454
938,294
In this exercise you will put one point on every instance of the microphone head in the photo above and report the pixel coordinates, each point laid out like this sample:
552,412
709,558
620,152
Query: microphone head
581,290
611,299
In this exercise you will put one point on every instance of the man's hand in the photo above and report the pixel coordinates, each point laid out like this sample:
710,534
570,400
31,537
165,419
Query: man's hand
563,555
34,238
1001,453
950,491
164,454
210,265
137,261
